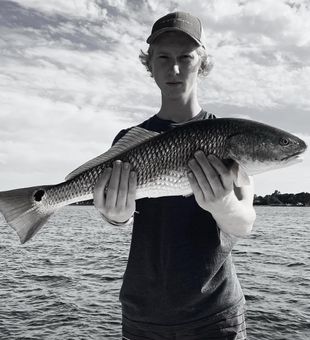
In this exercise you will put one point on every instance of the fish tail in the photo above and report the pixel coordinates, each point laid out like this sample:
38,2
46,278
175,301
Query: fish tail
24,210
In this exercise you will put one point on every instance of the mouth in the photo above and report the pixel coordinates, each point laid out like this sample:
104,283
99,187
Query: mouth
173,83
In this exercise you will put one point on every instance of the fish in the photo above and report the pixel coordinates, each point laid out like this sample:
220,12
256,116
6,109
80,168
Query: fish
160,161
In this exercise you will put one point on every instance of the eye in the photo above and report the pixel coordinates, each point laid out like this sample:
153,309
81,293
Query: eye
284,141
186,56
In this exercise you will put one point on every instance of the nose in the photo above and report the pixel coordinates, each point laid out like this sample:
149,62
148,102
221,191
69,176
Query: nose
173,67
176,68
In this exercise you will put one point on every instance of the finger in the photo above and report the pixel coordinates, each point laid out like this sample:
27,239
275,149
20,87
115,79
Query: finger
201,179
132,189
113,186
225,173
123,186
198,193
210,173
99,188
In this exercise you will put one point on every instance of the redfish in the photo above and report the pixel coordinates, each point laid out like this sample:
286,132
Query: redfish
160,161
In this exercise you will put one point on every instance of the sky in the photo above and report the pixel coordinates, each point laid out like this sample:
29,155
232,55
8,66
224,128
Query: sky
70,78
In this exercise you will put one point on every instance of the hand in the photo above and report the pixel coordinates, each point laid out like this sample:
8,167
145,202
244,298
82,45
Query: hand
115,192
212,183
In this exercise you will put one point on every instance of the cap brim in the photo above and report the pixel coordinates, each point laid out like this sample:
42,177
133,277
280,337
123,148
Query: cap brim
156,34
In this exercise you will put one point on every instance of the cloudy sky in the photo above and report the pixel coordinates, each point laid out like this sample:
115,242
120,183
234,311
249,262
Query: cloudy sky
70,78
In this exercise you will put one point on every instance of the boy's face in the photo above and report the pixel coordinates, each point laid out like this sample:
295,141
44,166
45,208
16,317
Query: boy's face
175,64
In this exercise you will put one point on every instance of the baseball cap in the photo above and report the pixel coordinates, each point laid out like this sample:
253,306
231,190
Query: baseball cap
179,21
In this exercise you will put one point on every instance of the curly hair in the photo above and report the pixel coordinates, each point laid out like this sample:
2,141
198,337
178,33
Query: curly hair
204,70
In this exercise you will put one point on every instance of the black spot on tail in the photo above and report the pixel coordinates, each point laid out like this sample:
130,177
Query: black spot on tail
38,195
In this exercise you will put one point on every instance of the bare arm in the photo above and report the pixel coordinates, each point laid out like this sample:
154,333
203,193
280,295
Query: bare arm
240,215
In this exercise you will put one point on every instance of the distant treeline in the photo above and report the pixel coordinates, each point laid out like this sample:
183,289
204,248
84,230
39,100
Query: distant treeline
300,199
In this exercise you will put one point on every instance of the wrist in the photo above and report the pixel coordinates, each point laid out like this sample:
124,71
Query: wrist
236,219
116,223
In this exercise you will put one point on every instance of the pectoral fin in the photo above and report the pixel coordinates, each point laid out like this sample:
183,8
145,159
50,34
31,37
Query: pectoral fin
241,177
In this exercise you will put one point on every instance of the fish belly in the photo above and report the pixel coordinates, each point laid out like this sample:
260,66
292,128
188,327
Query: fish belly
173,183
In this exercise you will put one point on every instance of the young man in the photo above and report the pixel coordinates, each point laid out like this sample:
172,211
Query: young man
180,282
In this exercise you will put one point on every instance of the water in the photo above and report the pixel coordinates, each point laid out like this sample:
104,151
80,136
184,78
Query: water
64,284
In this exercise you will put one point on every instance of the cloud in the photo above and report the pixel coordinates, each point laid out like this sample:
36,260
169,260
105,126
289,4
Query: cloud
260,50
81,8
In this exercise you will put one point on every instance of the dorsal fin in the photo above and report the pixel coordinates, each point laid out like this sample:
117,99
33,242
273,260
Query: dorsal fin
132,138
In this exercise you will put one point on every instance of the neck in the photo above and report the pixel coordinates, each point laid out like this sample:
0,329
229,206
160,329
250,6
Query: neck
179,110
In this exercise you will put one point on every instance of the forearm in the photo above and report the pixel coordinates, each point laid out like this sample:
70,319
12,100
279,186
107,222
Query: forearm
236,220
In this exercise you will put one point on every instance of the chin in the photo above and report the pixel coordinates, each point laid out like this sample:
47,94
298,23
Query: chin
174,94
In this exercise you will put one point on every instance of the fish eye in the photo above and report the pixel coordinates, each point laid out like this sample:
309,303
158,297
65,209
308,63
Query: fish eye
284,141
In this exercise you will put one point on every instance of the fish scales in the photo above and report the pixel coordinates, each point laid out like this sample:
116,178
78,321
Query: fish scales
163,160
155,161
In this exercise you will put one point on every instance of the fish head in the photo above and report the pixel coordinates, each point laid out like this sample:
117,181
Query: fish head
258,148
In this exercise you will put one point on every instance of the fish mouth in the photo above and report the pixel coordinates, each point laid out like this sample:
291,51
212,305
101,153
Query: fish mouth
295,156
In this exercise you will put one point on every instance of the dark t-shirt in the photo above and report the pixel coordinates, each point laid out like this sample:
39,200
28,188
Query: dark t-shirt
180,268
